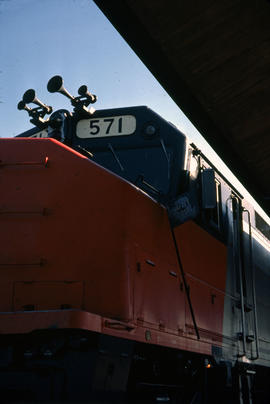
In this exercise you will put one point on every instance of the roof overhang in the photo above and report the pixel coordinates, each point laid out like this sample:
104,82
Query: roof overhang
213,58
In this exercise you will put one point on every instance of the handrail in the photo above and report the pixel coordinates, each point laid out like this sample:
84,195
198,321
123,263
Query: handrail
44,163
238,265
236,219
185,283
252,270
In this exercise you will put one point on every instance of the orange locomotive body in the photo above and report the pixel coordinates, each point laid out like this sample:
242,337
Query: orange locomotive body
110,287
76,237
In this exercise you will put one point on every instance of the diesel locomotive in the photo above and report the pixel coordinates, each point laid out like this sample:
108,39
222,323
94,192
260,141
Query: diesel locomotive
131,268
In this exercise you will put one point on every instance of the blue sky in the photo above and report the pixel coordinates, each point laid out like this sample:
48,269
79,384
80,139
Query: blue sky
42,38
72,38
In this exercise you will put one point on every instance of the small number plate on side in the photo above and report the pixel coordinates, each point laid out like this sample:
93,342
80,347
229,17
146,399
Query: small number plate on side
41,134
108,126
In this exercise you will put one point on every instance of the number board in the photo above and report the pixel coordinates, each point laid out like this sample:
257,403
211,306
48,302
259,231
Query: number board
41,134
107,126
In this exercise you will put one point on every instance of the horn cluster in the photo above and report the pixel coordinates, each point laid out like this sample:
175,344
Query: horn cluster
80,103
55,85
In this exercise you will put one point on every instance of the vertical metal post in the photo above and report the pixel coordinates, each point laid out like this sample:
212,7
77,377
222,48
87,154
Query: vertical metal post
237,255
252,270
240,389
185,283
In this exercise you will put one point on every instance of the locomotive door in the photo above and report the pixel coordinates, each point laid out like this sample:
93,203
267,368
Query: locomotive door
245,285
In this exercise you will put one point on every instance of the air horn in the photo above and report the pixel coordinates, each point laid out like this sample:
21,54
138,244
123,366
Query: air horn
80,104
21,105
30,97
83,91
37,114
55,85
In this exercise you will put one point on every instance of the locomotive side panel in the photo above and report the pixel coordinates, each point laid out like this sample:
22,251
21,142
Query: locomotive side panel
57,231
204,261
68,237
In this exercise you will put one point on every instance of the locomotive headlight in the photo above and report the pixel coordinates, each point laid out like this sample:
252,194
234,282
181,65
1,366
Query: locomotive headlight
150,130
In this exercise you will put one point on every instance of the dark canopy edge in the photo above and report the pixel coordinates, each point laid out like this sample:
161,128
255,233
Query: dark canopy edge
137,36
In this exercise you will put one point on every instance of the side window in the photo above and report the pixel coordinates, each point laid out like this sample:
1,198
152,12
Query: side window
213,216
262,226
215,213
